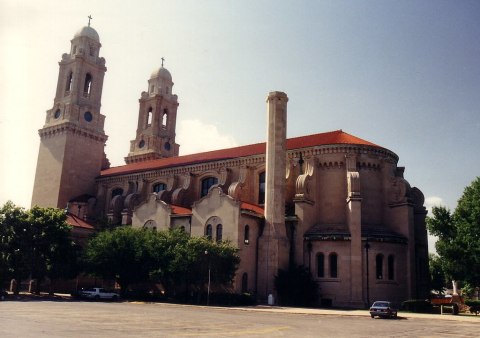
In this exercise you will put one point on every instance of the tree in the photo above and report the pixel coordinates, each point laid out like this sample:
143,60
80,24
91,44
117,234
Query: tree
458,235
120,254
171,257
437,276
36,243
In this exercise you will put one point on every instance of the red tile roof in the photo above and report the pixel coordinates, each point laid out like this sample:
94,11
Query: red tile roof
329,138
78,222
178,210
252,207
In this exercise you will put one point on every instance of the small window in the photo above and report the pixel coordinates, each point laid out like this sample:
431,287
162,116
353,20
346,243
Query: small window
141,144
152,87
159,187
391,267
164,117
88,85
116,192
320,265
379,266
333,265
244,282
57,114
219,232
246,235
261,188
208,231
167,90
68,85
149,116
207,183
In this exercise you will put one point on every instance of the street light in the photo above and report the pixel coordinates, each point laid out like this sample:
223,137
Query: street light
367,246
208,287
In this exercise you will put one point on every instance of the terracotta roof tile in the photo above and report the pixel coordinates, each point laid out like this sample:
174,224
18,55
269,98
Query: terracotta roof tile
78,222
252,207
329,138
178,210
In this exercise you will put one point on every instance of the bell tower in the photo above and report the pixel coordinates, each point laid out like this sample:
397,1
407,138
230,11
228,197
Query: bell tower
157,119
72,140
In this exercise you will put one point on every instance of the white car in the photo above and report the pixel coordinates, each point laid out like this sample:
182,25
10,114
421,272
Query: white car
98,293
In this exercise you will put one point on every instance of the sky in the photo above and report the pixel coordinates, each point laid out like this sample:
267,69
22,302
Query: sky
402,74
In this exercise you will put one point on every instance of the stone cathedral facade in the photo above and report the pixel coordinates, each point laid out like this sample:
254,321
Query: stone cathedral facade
333,202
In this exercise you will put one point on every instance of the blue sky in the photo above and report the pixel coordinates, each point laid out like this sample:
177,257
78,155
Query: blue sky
402,74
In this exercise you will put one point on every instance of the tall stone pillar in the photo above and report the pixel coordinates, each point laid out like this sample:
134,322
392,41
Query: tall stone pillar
354,221
273,244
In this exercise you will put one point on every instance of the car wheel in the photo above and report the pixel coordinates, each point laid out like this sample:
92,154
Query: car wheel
372,316
114,298
395,315
97,297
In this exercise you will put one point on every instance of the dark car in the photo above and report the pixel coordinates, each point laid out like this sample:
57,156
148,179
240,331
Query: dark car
383,309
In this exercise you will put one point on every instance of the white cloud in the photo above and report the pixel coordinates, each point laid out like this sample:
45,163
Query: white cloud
195,136
433,201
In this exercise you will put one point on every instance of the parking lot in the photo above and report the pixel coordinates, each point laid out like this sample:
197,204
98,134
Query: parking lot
137,319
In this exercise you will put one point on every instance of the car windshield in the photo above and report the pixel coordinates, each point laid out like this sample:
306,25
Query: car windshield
381,304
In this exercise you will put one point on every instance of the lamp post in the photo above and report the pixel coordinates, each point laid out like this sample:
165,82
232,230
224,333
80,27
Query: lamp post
367,246
208,286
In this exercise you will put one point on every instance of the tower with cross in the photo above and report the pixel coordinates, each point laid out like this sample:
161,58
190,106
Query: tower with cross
157,120
74,127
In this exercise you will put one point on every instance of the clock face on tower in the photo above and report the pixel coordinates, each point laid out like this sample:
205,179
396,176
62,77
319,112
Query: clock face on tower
88,116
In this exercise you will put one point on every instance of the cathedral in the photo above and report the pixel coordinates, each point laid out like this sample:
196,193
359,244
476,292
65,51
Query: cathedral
333,202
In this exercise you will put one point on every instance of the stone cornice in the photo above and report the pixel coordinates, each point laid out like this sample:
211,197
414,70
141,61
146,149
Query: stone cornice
253,161
69,127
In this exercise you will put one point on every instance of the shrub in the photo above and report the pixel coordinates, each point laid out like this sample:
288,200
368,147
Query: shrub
474,306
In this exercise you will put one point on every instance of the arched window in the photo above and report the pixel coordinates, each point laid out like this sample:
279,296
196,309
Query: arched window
207,183
149,116
219,232
320,265
152,87
116,192
208,231
68,85
261,188
150,224
333,265
88,85
246,234
379,266
391,267
164,117
244,282
159,187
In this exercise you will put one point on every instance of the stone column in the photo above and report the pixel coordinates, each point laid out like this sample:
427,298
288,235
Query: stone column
354,221
273,244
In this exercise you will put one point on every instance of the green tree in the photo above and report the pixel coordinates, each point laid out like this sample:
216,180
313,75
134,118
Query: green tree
171,257
119,254
36,243
437,276
458,235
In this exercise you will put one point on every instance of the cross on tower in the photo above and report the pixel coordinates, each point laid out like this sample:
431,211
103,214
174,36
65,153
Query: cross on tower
89,18
163,59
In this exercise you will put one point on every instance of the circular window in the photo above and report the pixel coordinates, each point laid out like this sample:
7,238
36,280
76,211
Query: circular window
167,146
57,114
88,116
141,144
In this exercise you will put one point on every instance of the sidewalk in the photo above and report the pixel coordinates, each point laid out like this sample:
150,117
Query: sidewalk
359,313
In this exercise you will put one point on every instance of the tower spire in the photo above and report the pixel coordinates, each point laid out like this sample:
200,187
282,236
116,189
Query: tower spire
163,59
89,18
